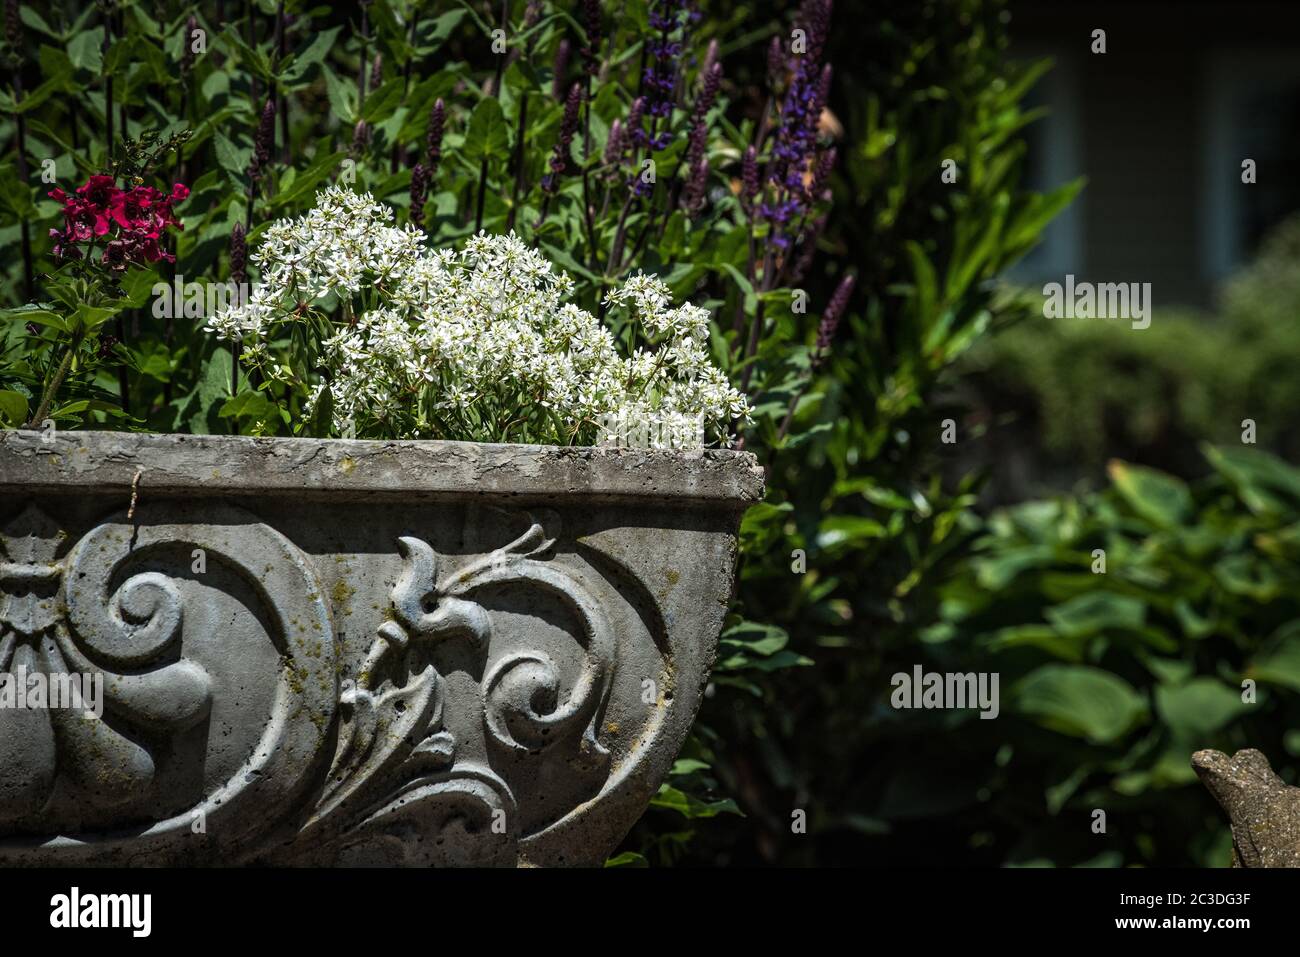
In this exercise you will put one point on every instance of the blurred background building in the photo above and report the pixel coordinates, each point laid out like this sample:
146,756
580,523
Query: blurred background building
1160,124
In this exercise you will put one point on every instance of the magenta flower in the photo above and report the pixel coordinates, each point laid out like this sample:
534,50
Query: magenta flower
136,219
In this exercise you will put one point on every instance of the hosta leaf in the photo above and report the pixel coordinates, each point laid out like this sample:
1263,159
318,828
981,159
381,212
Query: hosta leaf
1279,661
1257,477
1159,498
1080,701
1095,612
1199,707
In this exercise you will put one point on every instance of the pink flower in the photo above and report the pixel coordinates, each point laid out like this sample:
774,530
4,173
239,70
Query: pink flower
138,218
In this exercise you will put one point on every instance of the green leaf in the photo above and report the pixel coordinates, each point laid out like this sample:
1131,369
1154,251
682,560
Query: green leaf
487,136
42,93
233,159
925,281
684,766
755,638
847,530
1257,476
196,411
33,19
253,59
1095,612
315,53
1200,707
85,50
381,103
121,53
673,243
89,318
1159,498
1080,701
342,96
308,180
13,408
672,799
433,33
746,287
628,859
1037,636
42,317
1278,663
997,571
250,405
1249,577
321,425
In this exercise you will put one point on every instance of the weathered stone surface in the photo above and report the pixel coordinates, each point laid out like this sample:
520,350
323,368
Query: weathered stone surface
336,652
1264,809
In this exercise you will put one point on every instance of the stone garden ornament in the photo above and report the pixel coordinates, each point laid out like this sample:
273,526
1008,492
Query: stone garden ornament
332,652
1264,809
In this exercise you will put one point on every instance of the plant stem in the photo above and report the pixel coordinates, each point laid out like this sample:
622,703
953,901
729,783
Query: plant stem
47,398
613,266
251,39
519,162
108,103
751,347
123,378
789,413
283,105
738,321
28,273
365,52
496,91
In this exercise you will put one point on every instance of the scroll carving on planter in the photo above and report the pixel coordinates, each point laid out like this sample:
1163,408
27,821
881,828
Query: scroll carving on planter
403,787
170,761
378,657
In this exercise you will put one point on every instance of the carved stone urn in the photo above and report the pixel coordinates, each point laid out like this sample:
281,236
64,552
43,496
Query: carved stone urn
329,652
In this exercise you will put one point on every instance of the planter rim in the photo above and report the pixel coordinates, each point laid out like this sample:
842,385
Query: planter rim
109,462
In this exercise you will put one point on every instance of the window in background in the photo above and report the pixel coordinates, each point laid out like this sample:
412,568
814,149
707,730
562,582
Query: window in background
1253,113
1054,157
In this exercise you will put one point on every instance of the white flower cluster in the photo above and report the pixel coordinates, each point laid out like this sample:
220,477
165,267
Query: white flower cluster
477,343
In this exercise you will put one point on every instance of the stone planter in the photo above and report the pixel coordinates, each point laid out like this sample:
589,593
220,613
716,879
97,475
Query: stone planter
338,652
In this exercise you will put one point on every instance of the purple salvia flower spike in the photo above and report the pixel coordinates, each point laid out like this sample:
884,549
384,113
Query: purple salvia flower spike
433,139
562,157
238,254
263,142
560,70
614,145
831,318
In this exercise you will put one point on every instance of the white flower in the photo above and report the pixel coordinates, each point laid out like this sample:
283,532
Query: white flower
475,343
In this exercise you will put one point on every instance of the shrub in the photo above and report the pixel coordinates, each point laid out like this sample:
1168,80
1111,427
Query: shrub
1123,625
841,562
1082,390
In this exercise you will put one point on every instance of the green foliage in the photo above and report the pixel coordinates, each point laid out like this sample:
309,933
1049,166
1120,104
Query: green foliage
847,428
352,94
1085,390
858,488
1123,625
349,93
